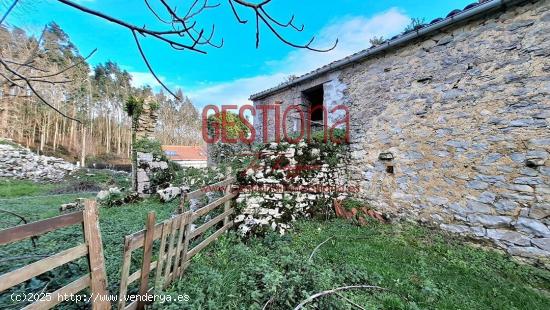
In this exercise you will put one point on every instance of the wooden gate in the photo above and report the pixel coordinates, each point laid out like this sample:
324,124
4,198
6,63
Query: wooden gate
92,248
175,236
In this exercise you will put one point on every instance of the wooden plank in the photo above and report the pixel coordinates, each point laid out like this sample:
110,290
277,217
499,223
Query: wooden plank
170,253
216,187
136,275
208,240
134,304
61,294
126,262
184,262
38,228
23,274
183,200
212,222
147,254
227,204
211,206
183,221
138,238
98,275
166,228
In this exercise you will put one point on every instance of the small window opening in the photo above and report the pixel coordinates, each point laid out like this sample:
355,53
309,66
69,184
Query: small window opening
313,99
389,169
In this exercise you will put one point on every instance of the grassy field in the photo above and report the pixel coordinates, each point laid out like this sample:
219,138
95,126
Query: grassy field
419,268
35,202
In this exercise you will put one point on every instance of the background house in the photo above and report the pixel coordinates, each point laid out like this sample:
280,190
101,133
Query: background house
186,156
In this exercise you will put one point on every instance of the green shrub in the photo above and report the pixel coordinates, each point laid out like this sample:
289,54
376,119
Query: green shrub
153,146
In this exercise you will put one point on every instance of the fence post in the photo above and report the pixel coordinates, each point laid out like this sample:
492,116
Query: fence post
96,260
187,216
147,253
124,273
227,204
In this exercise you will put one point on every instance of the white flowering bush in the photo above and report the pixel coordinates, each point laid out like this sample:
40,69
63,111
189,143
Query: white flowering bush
287,182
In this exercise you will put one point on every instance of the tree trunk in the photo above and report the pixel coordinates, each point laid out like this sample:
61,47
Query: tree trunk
134,154
83,148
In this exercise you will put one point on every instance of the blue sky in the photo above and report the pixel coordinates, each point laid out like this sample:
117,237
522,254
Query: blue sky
229,75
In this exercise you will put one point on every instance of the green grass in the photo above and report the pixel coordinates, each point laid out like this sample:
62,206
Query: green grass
115,223
21,188
420,268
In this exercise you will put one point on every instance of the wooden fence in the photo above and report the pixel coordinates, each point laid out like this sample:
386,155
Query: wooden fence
92,248
175,236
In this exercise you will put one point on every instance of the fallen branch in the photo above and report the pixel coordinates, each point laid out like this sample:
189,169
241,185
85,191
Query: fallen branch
350,301
334,291
21,219
317,247
268,302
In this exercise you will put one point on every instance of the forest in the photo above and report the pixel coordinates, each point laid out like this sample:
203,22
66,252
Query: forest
94,95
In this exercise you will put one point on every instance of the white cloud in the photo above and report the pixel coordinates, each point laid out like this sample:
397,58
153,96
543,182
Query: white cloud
353,33
234,92
140,79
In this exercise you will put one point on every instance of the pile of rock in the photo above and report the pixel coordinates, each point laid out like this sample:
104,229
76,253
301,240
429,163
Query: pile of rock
148,165
21,163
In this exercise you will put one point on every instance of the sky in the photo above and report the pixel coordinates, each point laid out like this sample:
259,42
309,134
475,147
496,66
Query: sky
231,74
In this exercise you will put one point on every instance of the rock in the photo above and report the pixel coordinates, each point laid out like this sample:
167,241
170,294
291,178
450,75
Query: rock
542,243
168,194
530,252
528,180
68,206
115,190
102,195
506,206
540,210
531,226
463,229
477,185
477,207
144,157
508,236
490,221
486,197
21,163
437,200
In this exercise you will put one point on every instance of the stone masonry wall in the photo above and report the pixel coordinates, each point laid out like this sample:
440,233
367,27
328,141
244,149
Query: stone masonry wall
465,115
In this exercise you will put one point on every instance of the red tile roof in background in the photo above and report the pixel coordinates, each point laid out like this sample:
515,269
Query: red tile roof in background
183,152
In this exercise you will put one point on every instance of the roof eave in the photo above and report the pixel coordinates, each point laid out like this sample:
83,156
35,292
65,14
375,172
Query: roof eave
481,9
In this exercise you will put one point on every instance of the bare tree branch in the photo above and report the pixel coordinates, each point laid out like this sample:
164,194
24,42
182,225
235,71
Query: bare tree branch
180,34
10,8
82,61
149,66
31,87
335,290
262,15
183,26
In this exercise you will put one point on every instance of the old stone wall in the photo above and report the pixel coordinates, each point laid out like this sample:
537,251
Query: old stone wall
465,116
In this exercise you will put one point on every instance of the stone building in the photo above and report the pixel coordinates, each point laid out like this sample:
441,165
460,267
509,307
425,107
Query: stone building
449,123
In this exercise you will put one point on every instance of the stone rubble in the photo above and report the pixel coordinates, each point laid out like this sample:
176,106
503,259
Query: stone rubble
22,163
